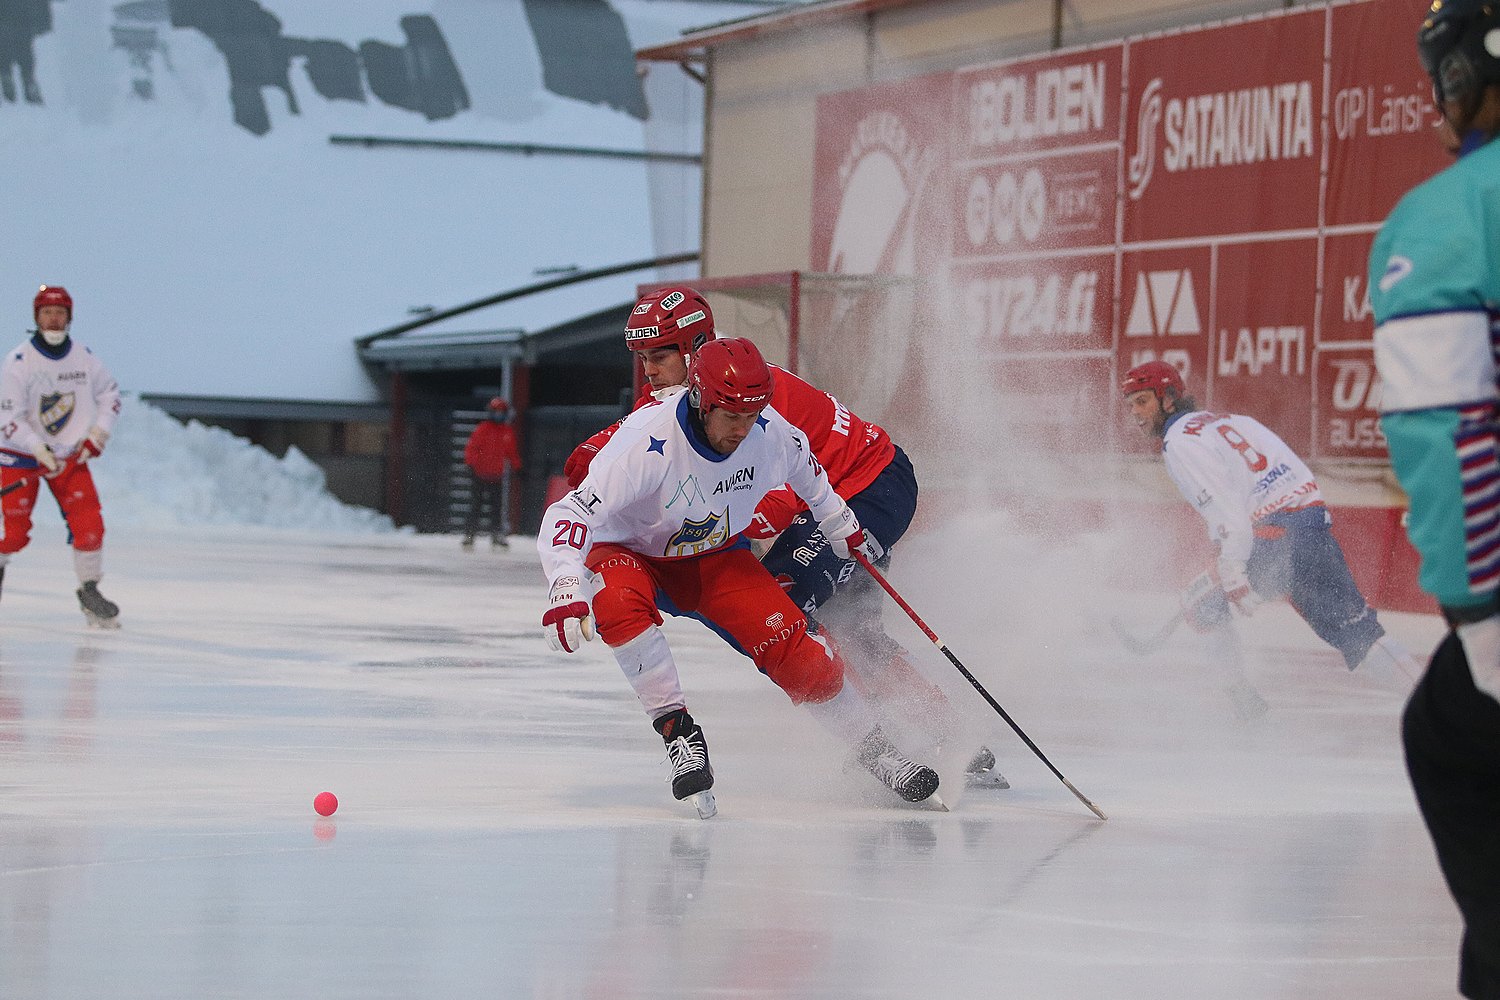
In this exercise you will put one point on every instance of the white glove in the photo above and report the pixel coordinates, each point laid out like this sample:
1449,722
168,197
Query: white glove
844,534
1481,642
567,623
46,459
93,445
1243,599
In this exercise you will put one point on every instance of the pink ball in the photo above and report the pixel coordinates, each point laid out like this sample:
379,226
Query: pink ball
325,803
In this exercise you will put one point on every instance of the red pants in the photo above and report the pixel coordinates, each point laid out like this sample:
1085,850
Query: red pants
733,590
75,495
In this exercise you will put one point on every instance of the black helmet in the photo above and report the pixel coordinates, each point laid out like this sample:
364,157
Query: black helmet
1459,42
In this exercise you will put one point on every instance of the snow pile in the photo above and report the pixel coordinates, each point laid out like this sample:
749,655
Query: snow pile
157,471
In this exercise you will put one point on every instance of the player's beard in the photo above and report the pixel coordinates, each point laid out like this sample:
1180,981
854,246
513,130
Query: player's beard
54,338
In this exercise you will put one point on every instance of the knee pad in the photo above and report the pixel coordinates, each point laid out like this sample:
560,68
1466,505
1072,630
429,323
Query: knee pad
87,529
622,613
803,666
623,607
17,530
17,535
80,508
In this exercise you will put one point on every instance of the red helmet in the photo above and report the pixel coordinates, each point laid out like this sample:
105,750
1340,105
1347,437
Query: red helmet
498,405
52,295
670,317
731,375
1156,376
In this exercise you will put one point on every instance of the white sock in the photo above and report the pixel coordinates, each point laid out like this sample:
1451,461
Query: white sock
646,661
846,715
89,565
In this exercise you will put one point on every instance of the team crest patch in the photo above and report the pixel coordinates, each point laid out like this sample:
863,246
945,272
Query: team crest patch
57,410
699,536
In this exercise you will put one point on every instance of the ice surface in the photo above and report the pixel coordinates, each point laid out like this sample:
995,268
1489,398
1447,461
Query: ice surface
506,830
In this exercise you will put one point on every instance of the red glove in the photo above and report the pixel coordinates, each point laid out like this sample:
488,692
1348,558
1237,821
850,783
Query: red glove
577,465
567,624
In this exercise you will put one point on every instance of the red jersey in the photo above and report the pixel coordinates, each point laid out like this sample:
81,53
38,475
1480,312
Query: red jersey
852,451
491,450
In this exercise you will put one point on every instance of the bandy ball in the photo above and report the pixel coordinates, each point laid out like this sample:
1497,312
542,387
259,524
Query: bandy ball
325,803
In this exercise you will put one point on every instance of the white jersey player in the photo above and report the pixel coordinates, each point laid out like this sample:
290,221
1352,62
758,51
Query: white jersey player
58,406
1265,515
658,521
1237,473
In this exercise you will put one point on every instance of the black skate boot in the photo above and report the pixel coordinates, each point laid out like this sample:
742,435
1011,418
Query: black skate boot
981,773
100,611
692,774
499,542
468,542
912,781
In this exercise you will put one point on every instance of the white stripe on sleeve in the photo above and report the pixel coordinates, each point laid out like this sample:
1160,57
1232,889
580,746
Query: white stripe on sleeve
1438,360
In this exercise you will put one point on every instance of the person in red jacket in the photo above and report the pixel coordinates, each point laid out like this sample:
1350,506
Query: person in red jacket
865,467
491,456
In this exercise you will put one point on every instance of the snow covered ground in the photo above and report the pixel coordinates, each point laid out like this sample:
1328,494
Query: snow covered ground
506,830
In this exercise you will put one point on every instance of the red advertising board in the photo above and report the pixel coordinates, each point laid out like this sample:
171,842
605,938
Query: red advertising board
881,163
1348,403
1038,104
1164,316
1030,204
1064,401
1262,344
1347,315
1380,141
1036,153
1047,304
1205,196
1225,145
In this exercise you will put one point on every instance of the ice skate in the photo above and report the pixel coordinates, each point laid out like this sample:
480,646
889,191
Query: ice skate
980,771
98,609
499,542
912,781
692,774
468,542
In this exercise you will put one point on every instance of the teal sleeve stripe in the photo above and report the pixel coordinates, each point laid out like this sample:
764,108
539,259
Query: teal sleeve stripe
1425,460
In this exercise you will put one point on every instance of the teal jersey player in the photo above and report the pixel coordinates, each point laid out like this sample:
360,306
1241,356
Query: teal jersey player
1435,287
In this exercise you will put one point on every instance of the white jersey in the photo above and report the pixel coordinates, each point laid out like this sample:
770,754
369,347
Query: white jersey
1236,472
659,490
53,400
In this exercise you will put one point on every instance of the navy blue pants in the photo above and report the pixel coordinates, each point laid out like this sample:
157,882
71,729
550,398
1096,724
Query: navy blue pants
1295,556
801,559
